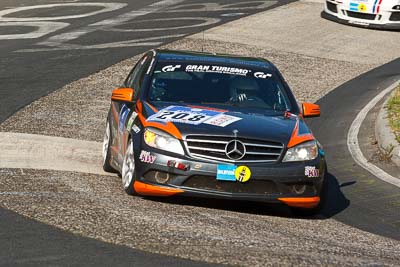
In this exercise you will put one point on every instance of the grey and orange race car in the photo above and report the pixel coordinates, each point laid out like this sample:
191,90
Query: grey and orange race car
219,126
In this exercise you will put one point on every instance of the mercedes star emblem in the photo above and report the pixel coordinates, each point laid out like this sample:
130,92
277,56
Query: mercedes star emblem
235,150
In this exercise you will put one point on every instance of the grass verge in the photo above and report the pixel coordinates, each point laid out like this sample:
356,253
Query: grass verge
393,108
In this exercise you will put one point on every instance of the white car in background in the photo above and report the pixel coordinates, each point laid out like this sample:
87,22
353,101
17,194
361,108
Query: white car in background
377,14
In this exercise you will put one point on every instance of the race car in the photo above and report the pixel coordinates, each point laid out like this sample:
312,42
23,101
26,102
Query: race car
217,126
376,14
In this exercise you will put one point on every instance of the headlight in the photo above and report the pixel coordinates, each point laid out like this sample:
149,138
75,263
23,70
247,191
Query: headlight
302,152
161,140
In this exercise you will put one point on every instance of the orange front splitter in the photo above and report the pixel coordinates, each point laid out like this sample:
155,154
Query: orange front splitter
301,202
153,190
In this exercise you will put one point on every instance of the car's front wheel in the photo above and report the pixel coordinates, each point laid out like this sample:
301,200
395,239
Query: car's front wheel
128,174
107,149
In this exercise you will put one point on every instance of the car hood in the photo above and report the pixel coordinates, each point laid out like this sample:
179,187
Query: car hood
277,128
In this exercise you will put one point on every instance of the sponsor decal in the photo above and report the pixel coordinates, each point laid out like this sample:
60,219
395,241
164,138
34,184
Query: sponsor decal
209,108
358,22
353,6
198,166
358,7
146,157
377,6
233,173
217,69
242,174
362,7
311,172
374,10
226,172
170,68
123,115
222,120
288,115
180,114
131,120
135,128
262,75
197,68
178,165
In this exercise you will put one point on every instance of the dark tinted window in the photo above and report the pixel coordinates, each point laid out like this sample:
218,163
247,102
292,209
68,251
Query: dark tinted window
135,78
218,84
130,80
143,70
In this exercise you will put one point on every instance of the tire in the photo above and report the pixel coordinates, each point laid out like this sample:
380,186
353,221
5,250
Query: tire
107,149
128,174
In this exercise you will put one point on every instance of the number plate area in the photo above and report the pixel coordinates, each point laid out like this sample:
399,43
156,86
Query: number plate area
181,114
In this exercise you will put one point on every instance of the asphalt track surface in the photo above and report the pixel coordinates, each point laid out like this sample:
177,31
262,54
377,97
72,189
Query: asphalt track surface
28,243
33,66
364,201
357,198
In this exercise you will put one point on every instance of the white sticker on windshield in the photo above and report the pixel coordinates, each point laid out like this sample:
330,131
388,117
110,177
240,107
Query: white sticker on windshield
170,68
181,114
262,75
217,69
222,120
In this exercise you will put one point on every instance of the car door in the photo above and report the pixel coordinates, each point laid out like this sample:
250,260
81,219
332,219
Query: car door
126,109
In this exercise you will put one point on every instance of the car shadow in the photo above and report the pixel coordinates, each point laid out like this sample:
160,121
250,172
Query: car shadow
335,203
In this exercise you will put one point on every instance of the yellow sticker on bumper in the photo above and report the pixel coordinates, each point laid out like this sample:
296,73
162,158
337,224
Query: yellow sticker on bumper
362,7
242,174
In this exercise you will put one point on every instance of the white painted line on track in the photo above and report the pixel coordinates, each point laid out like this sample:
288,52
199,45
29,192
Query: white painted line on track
206,22
106,7
150,41
352,140
31,151
41,29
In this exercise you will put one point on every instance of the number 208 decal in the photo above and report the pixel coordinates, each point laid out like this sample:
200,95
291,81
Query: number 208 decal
183,115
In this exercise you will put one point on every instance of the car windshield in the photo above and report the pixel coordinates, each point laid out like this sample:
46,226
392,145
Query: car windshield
217,84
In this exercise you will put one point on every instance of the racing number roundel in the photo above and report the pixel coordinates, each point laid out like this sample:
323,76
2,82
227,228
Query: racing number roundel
242,174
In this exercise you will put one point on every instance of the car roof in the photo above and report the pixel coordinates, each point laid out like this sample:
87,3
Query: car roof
212,58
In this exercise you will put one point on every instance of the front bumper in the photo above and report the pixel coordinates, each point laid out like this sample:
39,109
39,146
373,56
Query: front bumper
391,26
270,183
164,191
338,12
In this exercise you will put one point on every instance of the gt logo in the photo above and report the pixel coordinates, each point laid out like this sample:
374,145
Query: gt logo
170,68
262,75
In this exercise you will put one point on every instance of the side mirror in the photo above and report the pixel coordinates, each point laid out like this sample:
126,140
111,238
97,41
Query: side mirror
123,94
311,110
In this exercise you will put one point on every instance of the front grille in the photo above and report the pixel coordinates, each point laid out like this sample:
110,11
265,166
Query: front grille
361,15
250,187
395,16
331,7
213,148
